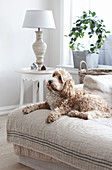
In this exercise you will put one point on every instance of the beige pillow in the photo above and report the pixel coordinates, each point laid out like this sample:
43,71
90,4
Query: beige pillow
101,85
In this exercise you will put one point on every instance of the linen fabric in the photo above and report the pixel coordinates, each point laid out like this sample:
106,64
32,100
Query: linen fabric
84,144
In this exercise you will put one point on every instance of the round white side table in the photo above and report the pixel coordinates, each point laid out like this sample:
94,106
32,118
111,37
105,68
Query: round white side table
36,77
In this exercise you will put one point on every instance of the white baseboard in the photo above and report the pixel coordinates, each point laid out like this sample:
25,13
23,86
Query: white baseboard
6,109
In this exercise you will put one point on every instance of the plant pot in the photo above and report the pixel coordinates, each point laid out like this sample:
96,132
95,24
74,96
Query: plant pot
90,59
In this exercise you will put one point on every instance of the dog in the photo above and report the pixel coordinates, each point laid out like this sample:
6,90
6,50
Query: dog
64,99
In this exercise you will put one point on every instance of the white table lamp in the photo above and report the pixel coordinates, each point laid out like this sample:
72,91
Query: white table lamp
39,19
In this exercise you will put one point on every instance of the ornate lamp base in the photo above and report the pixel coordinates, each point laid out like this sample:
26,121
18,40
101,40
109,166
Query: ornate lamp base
39,48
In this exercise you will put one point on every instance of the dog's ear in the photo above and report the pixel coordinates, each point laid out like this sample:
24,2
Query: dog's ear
68,89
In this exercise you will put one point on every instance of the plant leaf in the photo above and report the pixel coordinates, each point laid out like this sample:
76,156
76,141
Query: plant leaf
93,14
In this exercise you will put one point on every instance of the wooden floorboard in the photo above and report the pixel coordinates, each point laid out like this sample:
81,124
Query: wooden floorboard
8,159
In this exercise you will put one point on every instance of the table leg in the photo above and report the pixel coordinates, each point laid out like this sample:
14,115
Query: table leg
22,92
34,91
41,94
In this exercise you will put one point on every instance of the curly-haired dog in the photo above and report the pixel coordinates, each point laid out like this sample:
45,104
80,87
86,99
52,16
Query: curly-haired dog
64,99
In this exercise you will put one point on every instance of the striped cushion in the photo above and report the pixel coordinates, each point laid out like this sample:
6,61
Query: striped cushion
85,144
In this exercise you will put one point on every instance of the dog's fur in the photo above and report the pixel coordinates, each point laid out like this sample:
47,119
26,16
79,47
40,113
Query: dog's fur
64,99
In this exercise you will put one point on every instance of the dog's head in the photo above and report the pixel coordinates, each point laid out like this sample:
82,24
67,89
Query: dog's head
62,82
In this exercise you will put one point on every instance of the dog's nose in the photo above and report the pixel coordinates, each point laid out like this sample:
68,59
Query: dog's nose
50,81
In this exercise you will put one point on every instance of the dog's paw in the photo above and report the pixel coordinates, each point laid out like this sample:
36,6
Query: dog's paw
52,117
26,109
75,113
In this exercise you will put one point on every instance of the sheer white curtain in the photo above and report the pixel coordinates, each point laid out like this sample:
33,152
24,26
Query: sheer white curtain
74,8
66,22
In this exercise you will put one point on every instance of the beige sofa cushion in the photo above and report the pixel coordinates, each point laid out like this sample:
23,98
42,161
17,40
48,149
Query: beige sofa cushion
85,144
101,85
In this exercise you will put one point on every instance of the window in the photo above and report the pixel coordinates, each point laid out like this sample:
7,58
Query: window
74,8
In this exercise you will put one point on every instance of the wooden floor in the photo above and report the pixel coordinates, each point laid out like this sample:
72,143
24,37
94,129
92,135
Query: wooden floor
8,160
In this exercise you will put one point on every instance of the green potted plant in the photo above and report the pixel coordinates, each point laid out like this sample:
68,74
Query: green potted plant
86,38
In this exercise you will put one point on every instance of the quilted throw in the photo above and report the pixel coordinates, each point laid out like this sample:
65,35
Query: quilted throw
84,144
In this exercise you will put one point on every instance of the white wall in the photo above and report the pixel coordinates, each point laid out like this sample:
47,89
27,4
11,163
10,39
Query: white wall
55,43
16,46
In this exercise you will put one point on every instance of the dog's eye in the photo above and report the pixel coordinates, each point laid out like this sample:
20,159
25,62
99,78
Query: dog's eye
53,75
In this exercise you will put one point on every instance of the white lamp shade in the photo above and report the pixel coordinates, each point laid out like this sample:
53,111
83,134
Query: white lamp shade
39,19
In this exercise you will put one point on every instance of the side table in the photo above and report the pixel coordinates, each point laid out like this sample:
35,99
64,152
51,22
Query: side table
36,77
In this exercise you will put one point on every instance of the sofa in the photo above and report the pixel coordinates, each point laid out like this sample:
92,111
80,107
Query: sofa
68,143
